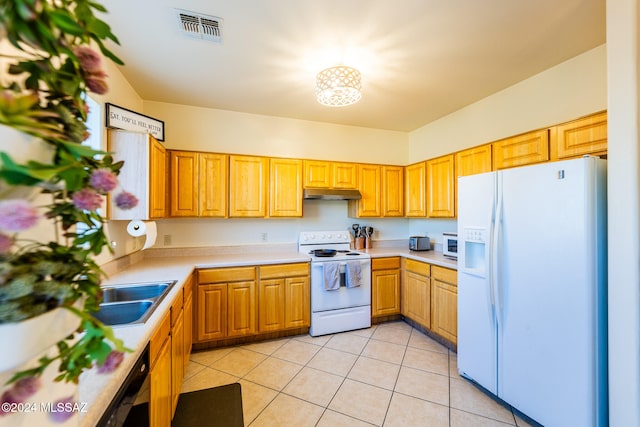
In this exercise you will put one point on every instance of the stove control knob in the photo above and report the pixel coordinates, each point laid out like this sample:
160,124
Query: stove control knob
322,236
329,236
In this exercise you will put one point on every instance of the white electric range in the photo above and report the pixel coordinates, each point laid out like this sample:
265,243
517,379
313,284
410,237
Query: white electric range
345,308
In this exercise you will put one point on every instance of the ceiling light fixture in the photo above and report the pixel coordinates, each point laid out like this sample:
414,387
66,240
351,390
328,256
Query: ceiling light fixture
338,86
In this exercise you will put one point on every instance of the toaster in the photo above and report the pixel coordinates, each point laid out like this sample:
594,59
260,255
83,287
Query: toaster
419,243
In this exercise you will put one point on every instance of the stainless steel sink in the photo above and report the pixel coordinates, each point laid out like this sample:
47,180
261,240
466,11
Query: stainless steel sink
133,291
131,303
119,313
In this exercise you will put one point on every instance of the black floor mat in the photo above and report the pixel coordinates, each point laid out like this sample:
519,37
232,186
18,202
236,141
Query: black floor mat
218,406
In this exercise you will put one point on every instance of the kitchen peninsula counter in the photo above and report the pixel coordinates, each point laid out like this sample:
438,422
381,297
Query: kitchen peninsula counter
98,390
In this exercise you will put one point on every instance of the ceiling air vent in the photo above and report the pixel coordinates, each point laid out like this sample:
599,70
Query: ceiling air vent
200,26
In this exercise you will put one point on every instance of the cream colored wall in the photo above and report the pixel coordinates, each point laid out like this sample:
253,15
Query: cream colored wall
623,37
207,129
572,89
319,215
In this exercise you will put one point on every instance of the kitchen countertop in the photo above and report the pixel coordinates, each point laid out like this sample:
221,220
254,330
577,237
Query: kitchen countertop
432,257
97,390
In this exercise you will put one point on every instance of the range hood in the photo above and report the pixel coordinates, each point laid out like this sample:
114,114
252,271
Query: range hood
331,194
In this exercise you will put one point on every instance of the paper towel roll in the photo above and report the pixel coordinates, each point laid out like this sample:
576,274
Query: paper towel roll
149,229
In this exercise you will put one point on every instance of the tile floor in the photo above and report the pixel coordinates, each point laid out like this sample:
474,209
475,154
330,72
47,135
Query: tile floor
387,375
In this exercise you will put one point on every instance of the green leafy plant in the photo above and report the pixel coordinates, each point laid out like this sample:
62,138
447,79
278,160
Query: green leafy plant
52,66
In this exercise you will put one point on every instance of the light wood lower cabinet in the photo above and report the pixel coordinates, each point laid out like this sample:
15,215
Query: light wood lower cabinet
177,357
211,309
225,303
169,350
233,302
385,286
283,297
444,303
160,375
188,321
416,300
241,308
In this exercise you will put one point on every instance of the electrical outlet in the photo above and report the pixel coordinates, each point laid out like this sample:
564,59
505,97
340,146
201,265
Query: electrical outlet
265,237
167,239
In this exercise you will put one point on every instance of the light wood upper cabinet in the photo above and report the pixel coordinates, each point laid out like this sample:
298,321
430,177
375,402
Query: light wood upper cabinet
248,186
385,286
441,187
520,150
144,174
392,191
587,135
371,189
325,174
213,188
473,161
317,174
344,175
285,196
198,184
184,183
158,180
444,303
415,190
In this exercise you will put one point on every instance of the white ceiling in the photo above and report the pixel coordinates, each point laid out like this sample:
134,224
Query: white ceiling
420,59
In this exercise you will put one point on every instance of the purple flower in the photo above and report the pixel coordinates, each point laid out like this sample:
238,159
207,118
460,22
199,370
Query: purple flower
96,83
5,243
21,390
17,215
7,397
103,180
25,387
87,199
113,360
88,58
63,409
126,200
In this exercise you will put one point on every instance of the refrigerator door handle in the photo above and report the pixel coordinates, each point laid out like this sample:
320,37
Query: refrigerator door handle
496,252
490,258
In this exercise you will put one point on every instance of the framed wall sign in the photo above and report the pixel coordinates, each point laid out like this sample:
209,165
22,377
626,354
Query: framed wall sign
121,118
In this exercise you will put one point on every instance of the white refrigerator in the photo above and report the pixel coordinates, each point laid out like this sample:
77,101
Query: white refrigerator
532,298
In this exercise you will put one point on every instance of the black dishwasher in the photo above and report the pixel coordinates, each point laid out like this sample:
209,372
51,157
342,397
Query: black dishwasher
119,408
